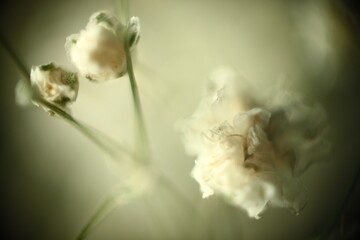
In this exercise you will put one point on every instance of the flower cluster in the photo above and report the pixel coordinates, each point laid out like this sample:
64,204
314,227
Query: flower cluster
98,52
252,151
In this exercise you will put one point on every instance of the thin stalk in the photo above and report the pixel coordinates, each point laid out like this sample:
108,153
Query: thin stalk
101,140
142,140
105,143
15,57
342,227
103,210
155,221
122,10
175,191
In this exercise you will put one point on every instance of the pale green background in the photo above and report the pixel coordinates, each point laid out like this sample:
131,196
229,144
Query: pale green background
53,177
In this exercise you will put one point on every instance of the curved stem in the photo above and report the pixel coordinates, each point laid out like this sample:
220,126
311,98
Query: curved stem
15,57
104,142
142,140
174,190
108,145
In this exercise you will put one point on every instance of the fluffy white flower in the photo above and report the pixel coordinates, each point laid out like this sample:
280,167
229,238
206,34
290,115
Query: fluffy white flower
253,152
98,51
54,84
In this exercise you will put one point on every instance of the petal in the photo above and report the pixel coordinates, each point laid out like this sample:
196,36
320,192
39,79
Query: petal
133,31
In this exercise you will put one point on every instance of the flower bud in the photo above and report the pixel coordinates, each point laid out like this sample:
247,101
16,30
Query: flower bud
98,51
54,84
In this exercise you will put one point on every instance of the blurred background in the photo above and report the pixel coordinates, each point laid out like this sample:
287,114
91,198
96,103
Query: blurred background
52,177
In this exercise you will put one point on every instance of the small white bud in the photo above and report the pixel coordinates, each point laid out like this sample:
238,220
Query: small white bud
98,51
54,84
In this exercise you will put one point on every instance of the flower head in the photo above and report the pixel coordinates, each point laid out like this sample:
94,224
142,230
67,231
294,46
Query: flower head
98,51
253,152
54,84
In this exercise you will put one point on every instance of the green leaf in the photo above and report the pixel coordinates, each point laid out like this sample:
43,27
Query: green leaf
102,17
70,78
47,67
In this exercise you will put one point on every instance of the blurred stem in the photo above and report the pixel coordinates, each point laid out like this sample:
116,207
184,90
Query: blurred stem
105,143
342,227
101,140
102,211
156,227
122,10
175,191
142,140
15,57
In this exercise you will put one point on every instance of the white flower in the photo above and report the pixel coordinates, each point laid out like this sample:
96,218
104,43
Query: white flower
253,152
98,51
54,84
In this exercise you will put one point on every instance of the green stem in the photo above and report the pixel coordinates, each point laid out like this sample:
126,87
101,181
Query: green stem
122,10
103,210
101,140
175,191
15,57
142,140
342,227
105,143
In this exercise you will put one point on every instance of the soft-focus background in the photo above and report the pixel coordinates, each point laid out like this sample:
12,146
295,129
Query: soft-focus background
52,177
